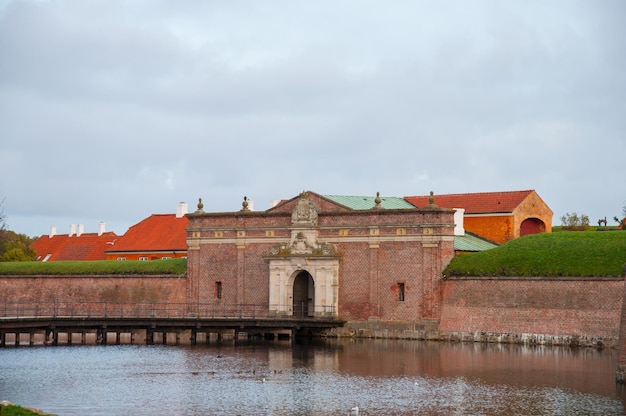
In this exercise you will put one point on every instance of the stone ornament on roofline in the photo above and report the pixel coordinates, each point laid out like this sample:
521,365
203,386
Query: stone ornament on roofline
431,200
304,212
377,202
244,204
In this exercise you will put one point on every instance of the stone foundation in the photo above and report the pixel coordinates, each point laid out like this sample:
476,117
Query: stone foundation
374,328
531,339
428,330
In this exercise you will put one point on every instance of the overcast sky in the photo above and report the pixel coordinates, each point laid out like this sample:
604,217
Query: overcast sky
111,111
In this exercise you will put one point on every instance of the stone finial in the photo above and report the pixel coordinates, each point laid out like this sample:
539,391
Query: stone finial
377,202
200,205
431,200
244,204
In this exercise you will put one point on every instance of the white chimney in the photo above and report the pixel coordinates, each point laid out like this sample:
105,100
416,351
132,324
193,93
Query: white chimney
53,231
181,210
72,229
458,221
81,230
101,228
250,205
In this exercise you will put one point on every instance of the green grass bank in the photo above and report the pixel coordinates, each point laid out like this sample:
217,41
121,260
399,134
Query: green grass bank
101,267
10,409
557,254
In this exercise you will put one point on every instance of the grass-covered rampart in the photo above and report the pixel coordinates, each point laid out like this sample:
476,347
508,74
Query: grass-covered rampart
565,253
102,267
9,409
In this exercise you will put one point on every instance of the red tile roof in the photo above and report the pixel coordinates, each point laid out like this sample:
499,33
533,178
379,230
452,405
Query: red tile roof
87,246
476,203
158,232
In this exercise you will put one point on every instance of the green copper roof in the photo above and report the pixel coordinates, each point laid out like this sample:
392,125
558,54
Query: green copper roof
471,242
367,202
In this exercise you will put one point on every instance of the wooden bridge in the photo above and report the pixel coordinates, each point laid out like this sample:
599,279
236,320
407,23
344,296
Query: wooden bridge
59,323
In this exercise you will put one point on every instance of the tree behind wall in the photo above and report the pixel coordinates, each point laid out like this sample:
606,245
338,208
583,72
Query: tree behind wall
13,246
3,218
575,222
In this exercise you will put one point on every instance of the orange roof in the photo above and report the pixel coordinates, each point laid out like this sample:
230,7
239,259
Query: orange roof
476,203
158,232
87,246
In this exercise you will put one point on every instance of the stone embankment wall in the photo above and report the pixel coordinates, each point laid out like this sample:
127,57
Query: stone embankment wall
106,288
532,311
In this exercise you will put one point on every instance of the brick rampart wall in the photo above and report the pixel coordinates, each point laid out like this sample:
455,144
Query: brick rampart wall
109,288
541,310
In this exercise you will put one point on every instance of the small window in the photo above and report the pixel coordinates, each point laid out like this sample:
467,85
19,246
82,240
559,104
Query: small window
165,258
121,258
401,292
218,290
143,259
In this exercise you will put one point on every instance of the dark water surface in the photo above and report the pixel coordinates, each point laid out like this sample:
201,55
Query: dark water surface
381,377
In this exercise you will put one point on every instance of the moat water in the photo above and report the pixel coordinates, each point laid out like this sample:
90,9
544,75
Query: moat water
380,377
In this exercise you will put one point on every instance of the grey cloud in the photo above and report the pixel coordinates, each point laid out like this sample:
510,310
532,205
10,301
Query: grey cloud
115,110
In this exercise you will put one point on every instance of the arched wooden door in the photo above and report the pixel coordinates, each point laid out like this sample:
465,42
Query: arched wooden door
303,295
531,226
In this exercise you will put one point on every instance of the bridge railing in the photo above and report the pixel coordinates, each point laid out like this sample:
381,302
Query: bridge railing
157,310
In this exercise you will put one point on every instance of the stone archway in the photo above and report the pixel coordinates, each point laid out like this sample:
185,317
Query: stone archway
303,295
287,280
531,226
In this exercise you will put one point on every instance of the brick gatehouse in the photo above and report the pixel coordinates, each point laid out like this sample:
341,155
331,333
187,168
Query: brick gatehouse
312,255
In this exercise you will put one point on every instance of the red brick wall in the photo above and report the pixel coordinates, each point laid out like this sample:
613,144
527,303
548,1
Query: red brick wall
93,289
578,307
354,284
